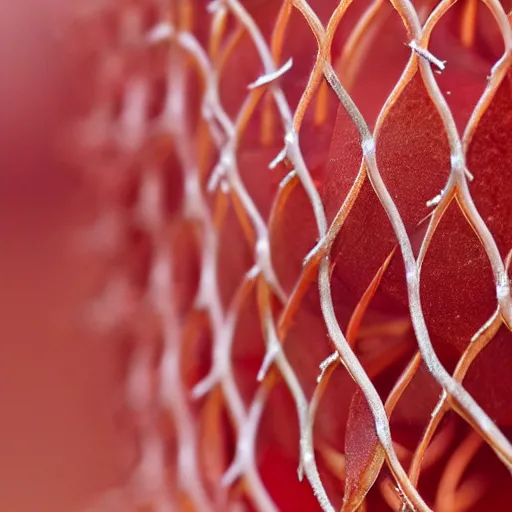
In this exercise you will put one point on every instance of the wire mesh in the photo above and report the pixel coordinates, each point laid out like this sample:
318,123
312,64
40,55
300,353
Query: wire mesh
202,145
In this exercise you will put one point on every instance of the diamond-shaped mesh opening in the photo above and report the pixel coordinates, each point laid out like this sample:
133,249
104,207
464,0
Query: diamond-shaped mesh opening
298,168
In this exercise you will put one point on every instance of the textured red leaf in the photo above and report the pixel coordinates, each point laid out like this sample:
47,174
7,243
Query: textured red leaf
413,157
412,152
488,379
363,452
458,297
366,231
488,157
417,401
458,294
343,164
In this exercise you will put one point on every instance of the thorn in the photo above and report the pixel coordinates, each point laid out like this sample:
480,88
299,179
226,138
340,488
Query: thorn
215,178
440,64
270,77
439,405
314,254
272,351
300,471
287,179
278,159
231,474
253,272
214,6
161,32
435,200
204,386
325,364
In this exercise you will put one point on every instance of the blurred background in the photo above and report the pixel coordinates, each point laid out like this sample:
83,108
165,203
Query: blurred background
59,385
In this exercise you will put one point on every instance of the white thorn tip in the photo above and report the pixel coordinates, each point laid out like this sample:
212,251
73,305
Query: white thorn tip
300,472
213,6
435,200
325,364
271,354
162,32
287,179
278,159
423,52
231,474
253,272
203,387
215,179
270,77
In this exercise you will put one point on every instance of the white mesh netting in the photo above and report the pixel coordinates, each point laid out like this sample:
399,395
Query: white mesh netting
273,179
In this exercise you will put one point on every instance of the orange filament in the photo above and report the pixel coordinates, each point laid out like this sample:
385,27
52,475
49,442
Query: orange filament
468,23
268,121
452,497
322,104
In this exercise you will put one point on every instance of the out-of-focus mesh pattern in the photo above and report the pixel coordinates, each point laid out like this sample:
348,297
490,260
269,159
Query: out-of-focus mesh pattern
178,161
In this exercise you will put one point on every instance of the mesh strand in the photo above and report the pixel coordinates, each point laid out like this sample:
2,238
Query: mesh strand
185,215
